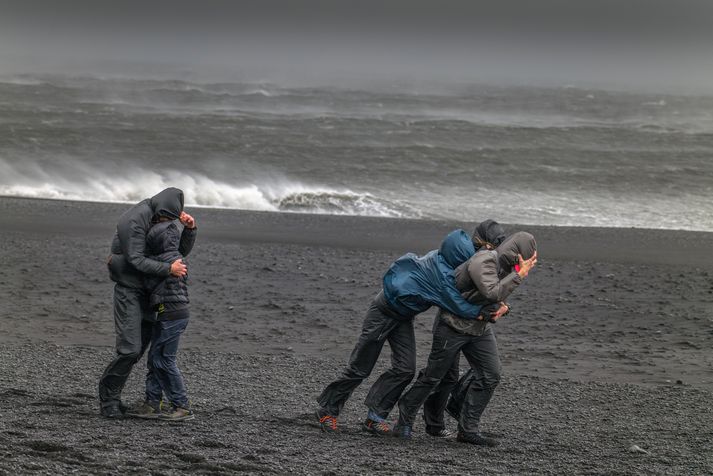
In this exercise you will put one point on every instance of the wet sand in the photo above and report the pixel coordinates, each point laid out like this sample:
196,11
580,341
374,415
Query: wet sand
609,345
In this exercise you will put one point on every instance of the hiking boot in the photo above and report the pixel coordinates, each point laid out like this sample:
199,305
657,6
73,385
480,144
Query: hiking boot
145,410
376,425
403,431
112,411
177,414
476,439
438,432
327,423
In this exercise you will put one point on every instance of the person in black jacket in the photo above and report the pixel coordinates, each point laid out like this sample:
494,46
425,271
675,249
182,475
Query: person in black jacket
169,297
128,265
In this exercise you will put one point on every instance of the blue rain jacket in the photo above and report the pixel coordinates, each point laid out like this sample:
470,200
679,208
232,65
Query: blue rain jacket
413,284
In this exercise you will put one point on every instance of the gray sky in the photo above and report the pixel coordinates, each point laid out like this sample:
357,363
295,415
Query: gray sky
651,42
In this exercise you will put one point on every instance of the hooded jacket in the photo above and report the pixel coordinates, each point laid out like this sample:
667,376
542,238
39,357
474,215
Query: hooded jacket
166,243
489,277
413,284
489,231
128,263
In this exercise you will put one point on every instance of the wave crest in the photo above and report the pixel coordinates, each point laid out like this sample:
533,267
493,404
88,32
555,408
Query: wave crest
203,191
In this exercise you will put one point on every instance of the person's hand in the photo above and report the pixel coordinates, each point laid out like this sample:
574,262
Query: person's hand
178,269
526,265
187,220
502,310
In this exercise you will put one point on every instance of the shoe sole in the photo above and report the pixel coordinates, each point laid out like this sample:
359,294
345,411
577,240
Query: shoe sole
185,418
143,417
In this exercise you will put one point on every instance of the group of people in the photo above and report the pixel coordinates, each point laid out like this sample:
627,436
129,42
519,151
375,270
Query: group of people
468,278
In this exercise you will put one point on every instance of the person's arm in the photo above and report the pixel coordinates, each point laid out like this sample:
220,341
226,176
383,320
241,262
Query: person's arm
483,270
135,251
455,303
188,237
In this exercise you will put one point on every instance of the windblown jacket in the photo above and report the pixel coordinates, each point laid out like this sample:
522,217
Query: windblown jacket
489,277
129,262
413,284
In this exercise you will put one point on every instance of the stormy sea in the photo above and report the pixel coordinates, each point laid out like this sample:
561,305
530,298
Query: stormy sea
564,155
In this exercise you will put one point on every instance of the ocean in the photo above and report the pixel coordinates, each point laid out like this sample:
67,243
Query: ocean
562,155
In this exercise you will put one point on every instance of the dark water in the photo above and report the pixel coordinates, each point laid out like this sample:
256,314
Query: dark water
563,155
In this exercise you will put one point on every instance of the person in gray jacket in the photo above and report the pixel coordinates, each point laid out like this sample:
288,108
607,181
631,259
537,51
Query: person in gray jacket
128,265
487,278
488,235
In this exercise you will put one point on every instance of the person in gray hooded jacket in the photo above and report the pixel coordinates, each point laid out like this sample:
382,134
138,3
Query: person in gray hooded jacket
487,235
488,277
128,265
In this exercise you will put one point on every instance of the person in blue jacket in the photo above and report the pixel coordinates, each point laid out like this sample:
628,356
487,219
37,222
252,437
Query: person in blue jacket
411,285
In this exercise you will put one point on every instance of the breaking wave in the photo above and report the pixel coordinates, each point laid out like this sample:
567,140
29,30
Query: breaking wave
201,191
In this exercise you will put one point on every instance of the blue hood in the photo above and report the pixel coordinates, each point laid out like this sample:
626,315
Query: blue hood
457,248
414,283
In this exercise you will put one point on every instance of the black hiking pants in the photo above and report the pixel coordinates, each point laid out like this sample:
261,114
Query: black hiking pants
133,322
381,324
482,355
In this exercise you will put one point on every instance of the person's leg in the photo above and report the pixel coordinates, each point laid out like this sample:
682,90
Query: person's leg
445,348
435,405
130,307
164,362
482,354
375,329
154,391
387,389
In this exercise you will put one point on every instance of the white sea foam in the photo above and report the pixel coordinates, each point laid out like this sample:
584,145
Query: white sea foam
203,191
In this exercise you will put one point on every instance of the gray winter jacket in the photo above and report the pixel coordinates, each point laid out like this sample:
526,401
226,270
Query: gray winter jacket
128,262
489,278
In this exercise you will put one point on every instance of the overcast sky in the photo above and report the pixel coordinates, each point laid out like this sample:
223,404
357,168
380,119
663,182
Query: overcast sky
657,43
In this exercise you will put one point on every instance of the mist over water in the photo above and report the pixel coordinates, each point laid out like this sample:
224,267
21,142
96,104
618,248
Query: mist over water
561,155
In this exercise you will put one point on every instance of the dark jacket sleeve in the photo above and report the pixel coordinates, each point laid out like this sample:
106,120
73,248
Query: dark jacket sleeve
188,239
483,270
135,252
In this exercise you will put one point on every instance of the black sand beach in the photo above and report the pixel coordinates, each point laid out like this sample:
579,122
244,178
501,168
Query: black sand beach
608,346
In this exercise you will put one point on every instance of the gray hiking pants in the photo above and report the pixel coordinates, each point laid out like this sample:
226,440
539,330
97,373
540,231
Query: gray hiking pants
381,324
133,322
482,354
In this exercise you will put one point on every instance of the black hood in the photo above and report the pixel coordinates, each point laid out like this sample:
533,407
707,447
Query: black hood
168,203
489,231
521,243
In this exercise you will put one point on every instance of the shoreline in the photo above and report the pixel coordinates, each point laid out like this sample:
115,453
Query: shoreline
600,334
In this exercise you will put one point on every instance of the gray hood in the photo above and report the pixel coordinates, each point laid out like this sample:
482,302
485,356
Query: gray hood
522,243
168,203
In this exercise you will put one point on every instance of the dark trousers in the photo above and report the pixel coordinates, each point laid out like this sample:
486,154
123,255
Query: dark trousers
378,328
163,376
482,355
133,326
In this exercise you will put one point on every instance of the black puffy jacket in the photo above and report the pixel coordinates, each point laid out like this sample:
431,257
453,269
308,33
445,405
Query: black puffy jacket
129,262
166,242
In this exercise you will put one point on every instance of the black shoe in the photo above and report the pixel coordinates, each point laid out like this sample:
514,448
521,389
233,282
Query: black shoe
402,431
476,439
438,432
112,410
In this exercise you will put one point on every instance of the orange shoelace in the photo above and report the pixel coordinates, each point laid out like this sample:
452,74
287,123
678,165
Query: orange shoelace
383,426
329,420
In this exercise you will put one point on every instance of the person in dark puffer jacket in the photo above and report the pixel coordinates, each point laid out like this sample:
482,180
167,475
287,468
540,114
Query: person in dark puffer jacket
169,298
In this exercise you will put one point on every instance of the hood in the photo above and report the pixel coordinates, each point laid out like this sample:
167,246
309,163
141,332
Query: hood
168,203
521,243
490,231
457,248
